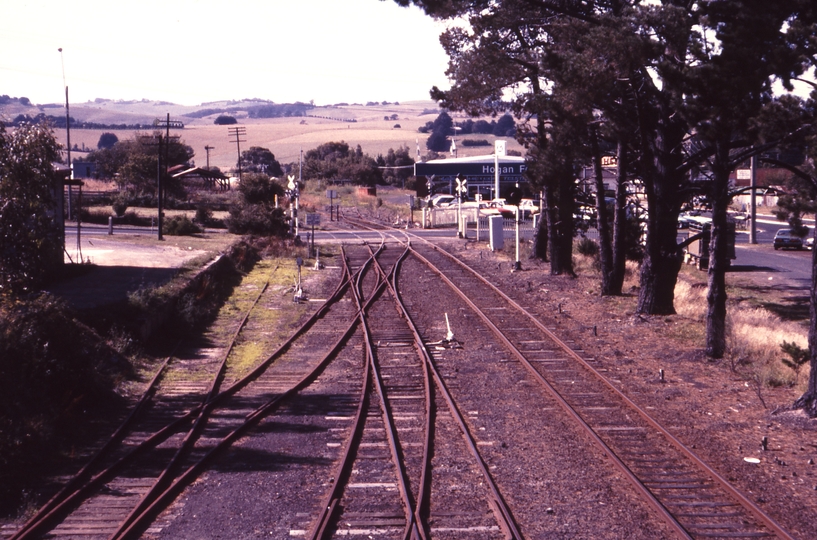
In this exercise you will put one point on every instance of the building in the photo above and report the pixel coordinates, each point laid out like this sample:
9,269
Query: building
479,171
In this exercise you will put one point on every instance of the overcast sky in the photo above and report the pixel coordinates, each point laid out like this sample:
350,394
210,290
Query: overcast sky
194,51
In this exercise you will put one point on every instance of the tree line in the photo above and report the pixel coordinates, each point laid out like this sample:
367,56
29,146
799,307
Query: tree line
681,92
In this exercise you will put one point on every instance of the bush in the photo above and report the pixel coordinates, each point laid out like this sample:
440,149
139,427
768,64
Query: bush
258,219
54,372
120,205
180,226
204,216
224,120
587,247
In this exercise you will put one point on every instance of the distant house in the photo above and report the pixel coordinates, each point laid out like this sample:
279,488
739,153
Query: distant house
85,169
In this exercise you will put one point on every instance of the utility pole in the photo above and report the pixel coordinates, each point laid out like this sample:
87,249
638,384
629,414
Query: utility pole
159,187
67,132
237,133
207,149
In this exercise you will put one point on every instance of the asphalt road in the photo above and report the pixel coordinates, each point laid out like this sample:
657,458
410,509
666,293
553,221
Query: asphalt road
787,268
760,262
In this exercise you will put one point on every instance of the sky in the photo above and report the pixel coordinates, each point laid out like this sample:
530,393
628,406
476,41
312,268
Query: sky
190,52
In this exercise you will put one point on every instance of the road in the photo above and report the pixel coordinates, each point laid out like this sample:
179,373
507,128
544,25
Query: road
783,268
759,262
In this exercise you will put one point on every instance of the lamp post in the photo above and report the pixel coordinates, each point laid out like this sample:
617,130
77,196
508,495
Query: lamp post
67,131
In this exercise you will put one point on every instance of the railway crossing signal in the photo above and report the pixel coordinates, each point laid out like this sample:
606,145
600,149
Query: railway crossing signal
462,189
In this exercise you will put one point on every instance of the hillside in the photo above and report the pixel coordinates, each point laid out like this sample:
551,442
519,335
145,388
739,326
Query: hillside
371,126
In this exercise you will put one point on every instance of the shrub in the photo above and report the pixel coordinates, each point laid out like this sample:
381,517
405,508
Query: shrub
204,215
52,370
587,247
224,120
120,205
180,226
259,219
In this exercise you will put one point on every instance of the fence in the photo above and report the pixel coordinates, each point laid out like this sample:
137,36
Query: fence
476,226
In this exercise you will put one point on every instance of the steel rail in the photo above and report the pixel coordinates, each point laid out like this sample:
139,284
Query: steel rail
422,504
250,421
634,480
505,518
45,512
344,470
321,527
163,433
755,510
50,509
411,530
195,429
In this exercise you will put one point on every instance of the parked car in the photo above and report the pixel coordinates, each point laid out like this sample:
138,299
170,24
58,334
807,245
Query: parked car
785,238
527,208
505,210
441,201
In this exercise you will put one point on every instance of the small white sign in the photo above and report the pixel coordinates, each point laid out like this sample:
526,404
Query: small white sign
499,148
744,174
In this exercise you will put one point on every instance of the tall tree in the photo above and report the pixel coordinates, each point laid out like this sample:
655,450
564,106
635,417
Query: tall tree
31,243
261,160
504,49
773,123
746,44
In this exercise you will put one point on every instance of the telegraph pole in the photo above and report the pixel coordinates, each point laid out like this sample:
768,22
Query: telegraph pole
159,187
237,133
67,132
207,149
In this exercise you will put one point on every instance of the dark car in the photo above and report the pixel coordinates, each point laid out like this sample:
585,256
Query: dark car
785,238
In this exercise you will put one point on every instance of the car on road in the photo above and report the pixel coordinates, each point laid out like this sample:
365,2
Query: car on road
785,238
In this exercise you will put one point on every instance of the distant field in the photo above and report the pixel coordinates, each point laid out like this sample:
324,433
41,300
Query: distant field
285,137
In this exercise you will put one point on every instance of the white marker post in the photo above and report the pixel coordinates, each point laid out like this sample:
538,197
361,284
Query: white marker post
499,150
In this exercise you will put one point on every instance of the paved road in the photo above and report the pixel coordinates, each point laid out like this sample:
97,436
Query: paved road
783,268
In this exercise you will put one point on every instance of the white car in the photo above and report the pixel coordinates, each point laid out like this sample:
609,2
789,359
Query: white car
441,201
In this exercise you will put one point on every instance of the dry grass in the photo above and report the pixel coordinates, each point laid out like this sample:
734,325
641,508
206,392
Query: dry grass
754,334
285,137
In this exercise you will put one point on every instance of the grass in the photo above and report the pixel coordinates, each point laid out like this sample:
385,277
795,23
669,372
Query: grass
281,274
758,322
285,137
754,333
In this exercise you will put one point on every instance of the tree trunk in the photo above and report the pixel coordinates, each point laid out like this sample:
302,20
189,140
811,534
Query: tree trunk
603,222
662,181
718,258
616,284
808,401
561,253
540,244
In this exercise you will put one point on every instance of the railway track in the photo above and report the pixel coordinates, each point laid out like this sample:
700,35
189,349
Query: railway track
177,428
690,496
387,417
383,485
